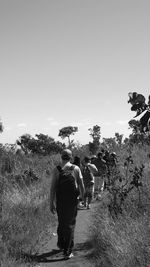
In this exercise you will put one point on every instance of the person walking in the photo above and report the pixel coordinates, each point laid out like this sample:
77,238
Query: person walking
77,162
88,172
100,163
66,185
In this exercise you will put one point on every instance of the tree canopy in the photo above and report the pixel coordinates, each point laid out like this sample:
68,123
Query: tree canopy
42,144
141,107
140,127
66,132
1,127
95,133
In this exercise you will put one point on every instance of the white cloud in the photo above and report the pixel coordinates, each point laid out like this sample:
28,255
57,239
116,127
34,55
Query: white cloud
107,123
86,122
22,124
54,123
122,122
7,128
50,119
77,124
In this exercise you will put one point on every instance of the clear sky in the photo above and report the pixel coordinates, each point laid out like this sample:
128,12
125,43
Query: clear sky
71,62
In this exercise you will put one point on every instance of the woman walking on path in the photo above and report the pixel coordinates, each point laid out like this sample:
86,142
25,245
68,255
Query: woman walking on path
67,183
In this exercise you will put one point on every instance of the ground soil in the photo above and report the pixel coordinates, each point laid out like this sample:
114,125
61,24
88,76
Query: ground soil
50,256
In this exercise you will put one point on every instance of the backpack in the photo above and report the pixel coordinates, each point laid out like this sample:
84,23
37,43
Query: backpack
67,191
101,166
87,176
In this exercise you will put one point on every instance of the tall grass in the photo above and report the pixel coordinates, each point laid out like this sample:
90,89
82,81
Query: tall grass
124,240
26,221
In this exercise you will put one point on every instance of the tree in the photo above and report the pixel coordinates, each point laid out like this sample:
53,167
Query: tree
119,138
140,128
141,107
109,143
1,127
1,182
47,145
66,132
134,125
24,141
95,133
42,144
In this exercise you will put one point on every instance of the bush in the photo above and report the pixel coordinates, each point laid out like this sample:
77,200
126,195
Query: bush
122,237
26,219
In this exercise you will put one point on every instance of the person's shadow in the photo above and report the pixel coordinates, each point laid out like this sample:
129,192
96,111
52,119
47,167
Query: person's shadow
52,256
56,254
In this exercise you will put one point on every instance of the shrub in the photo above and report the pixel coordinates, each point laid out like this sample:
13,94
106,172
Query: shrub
121,235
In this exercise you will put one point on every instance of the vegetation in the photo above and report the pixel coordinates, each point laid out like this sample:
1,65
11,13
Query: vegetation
66,132
42,144
1,127
26,221
95,133
120,231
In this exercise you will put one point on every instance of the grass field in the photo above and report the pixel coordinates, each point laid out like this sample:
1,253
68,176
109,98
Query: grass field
26,221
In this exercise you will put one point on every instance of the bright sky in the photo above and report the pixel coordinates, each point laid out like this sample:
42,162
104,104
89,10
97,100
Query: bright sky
71,62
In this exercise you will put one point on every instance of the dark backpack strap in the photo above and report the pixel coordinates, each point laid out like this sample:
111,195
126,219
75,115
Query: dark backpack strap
72,167
86,168
59,168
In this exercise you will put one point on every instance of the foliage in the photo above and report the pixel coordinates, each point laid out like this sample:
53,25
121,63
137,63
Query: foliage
24,142
93,148
26,224
95,133
119,138
141,107
1,127
25,218
66,132
140,128
120,183
134,125
120,231
42,144
113,143
124,242
139,139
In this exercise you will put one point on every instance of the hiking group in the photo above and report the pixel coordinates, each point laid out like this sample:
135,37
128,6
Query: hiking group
73,186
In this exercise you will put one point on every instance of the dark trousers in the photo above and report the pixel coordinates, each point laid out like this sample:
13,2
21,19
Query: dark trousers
66,225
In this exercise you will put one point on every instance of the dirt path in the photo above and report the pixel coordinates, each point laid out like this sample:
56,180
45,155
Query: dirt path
50,256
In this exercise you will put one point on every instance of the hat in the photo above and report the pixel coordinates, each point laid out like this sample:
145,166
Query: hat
66,154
